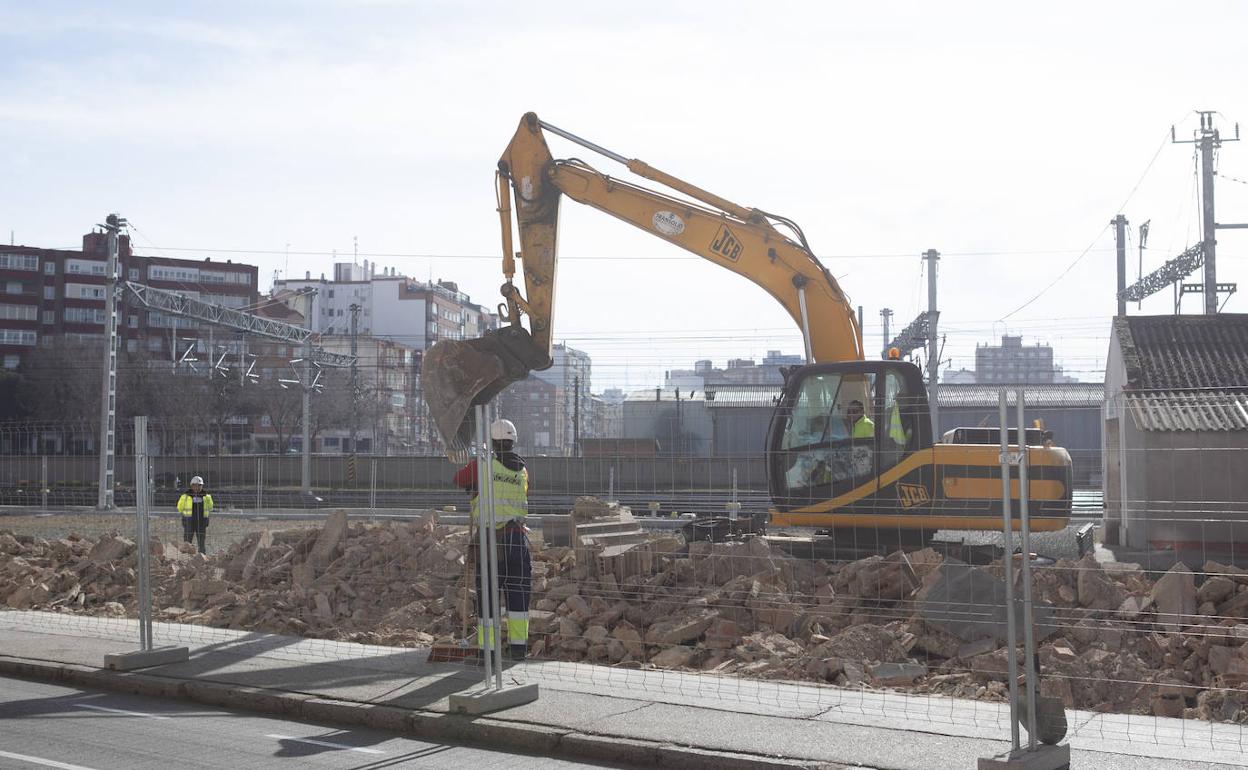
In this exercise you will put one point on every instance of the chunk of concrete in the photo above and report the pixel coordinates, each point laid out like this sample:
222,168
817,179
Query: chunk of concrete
897,674
1174,595
970,603
327,541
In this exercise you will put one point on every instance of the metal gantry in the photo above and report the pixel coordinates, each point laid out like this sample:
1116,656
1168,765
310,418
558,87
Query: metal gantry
230,318
916,334
1167,275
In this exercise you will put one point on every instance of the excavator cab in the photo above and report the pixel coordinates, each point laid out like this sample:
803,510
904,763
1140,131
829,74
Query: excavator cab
840,427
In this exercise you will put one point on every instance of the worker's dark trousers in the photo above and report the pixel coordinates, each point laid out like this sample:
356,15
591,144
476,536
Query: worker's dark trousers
515,579
191,532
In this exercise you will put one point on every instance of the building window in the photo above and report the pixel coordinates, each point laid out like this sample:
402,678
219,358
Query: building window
86,292
19,262
49,268
15,287
164,273
12,362
49,292
16,337
132,346
134,276
18,312
85,267
49,317
84,315
133,323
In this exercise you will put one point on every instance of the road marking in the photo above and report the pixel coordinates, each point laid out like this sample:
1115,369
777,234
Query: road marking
324,743
119,711
44,762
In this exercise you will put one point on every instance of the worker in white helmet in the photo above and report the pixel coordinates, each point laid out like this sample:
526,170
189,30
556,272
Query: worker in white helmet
195,504
511,505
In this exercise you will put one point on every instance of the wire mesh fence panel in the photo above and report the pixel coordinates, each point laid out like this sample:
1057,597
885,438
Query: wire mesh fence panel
1142,638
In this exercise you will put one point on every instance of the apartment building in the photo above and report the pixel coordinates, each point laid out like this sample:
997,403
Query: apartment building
51,294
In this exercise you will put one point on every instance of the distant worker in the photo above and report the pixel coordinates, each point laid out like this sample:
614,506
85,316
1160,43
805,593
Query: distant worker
195,504
860,426
511,505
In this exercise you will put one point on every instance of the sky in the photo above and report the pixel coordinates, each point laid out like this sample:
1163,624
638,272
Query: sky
1007,138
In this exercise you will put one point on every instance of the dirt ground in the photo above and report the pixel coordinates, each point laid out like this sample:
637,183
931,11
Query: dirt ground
223,531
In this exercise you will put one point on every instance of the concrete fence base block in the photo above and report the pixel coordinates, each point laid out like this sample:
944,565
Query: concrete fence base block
485,700
1043,758
157,656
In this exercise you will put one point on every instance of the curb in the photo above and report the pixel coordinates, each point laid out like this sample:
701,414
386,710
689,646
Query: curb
481,732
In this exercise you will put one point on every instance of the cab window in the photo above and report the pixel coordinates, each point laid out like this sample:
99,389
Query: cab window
897,421
828,445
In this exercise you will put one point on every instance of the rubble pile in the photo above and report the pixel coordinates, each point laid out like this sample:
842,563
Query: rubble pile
1112,639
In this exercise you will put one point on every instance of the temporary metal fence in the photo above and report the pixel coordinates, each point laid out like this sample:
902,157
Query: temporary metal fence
1142,640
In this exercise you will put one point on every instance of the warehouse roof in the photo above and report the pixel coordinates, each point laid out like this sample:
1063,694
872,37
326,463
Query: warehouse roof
967,396
1210,410
714,396
1054,394
1184,352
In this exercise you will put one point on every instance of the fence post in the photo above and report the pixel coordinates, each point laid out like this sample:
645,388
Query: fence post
259,483
1007,562
488,521
43,480
1029,633
147,654
1049,757
485,590
141,492
493,695
372,488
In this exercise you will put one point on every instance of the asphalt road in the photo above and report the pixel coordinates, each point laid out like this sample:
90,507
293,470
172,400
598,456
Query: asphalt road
44,725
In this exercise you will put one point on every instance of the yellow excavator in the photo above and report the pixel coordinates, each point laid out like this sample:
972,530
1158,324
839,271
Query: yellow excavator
851,443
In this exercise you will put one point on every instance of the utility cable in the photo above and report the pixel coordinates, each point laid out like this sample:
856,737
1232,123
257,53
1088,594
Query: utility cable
1084,253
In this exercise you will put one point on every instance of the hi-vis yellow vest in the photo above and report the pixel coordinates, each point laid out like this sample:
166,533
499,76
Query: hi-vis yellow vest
511,493
896,431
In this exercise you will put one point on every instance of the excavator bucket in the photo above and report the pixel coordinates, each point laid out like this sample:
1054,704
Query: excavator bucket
457,375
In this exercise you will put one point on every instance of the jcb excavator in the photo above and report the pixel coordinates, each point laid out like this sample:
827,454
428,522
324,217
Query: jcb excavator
850,444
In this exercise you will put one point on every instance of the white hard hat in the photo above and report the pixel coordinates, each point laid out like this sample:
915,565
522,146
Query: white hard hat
503,430
197,480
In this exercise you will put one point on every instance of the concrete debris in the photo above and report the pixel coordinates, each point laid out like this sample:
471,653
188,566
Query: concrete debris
1175,597
1095,589
1111,639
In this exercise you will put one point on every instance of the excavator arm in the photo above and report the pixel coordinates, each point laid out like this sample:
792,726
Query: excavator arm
458,374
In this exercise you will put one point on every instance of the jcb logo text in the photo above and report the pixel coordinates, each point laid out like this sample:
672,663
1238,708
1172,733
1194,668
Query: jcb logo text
912,495
726,244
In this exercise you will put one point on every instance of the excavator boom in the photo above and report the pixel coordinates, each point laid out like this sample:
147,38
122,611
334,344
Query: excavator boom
459,374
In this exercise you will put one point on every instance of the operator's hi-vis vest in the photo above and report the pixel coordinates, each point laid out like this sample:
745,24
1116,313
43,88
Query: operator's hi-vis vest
511,493
864,428
896,431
